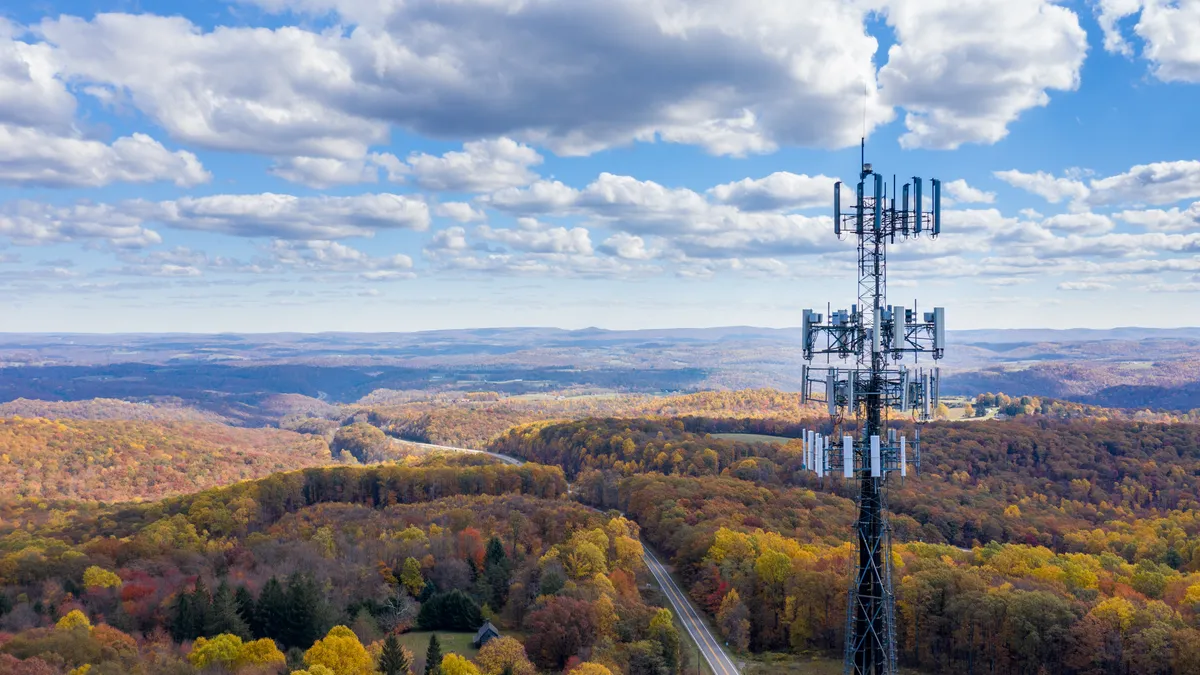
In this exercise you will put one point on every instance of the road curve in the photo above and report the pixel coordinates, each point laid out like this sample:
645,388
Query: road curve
433,446
718,661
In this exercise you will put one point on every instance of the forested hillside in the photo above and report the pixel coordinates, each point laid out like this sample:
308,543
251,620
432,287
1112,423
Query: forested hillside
256,577
117,460
1075,543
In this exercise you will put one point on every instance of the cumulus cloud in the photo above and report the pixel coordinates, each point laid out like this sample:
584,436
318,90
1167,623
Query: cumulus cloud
1083,223
199,88
780,190
459,211
1084,286
534,237
481,166
326,172
964,71
332,256
41,146
1047,186
27,223
1169,31
31,157
1159,220
629,247
1155,183
290,217
960,192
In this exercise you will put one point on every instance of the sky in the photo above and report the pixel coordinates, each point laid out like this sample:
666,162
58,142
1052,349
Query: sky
400,165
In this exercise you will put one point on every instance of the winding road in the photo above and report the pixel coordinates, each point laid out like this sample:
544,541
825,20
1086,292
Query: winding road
708,644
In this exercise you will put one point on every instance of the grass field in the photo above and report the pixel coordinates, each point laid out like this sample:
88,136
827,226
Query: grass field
458,643
754,438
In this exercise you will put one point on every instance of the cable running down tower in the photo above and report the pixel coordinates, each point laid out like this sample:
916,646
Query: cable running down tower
874,339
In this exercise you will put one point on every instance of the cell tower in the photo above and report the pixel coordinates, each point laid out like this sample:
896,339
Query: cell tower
875,339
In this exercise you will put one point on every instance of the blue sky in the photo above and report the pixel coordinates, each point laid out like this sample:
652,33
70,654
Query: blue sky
378,165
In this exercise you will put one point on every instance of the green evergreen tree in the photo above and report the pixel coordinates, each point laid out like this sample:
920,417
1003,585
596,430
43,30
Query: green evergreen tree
183,621
245,605
393,661
223,615
497,572
433,656
270,612
306,618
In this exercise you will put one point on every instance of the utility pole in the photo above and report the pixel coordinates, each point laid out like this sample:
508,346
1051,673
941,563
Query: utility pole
873,338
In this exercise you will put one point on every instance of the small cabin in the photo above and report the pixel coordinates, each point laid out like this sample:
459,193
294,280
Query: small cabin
486,632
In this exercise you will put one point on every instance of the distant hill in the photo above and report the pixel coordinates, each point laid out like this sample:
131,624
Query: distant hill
123,460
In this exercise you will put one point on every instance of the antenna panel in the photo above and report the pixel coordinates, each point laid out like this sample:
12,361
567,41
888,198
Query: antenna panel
917,205
837,208
878,202
937,207
904,212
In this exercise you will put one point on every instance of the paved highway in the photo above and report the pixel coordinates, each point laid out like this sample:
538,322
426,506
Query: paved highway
503,458
718,661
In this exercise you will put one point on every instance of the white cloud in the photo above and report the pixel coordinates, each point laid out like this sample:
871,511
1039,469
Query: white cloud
533,237
31,157
964,71
1082,223
960,192
1045,185
543,197
732,77
1084,286
1156,183
778,191
1159,220
629,247
290,217
459,211
325,172
332,256
28,223
481,166
30,93
279,92
1169,30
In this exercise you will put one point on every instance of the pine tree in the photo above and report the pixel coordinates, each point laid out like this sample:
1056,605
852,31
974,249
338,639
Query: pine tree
433,656
223,616
246,608
305,618
497,571
183,624
270,612
393,660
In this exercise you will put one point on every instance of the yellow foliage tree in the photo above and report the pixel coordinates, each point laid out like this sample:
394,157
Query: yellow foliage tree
504,652
340,652
74,619
98,577
410,576
223,650
589,668
313,670
453,664
260,653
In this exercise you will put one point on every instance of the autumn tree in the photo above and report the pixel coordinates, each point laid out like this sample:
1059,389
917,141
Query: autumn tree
411,577
341,652
504,654
453,664
559,629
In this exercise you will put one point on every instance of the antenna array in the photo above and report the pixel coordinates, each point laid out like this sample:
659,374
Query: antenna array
874,339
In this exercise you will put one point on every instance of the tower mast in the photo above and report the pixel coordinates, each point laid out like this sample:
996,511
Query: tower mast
874,338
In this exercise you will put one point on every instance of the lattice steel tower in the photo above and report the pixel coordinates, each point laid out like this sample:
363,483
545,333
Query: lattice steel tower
873,339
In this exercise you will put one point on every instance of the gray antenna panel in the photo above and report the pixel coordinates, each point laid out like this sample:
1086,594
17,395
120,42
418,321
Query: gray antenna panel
837,208
917,204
